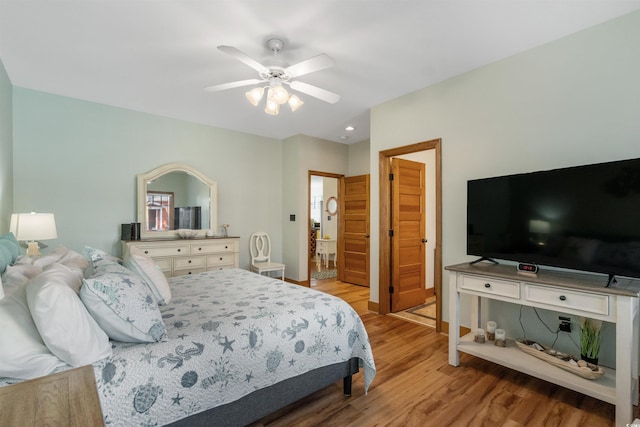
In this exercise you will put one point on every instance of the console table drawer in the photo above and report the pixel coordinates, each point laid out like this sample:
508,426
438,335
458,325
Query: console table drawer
190,262
163,251
503,288
565,299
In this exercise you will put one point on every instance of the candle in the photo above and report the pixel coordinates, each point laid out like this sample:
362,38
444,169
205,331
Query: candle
479,336
491,329
501,338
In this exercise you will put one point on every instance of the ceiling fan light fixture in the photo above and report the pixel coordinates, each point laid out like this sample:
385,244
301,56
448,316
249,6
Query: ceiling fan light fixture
279,94
255,95
295,102
272,107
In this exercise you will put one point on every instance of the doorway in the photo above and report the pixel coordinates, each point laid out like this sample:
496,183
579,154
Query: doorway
324,223
386,226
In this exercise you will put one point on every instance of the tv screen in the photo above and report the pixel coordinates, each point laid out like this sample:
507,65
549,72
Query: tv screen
582,218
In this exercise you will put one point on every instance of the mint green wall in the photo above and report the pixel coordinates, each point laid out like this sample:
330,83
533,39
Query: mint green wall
570,102
301,154
79,160
6,150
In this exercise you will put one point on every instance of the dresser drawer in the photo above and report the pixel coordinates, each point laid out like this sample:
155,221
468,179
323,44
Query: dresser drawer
577,301
221,260
187,271
213,247
165,251
188,262
503,288
163,263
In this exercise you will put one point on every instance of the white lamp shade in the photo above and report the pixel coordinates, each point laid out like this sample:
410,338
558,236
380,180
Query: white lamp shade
33,226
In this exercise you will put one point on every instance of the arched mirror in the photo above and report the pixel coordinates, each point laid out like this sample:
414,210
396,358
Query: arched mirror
176,196
332,205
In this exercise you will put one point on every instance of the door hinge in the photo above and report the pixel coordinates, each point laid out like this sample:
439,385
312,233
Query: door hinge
390,233
390,177
390,289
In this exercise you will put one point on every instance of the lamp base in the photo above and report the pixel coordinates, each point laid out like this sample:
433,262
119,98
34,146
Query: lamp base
33,249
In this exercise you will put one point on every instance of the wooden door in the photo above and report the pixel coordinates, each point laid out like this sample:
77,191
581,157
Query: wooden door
353,244
408,240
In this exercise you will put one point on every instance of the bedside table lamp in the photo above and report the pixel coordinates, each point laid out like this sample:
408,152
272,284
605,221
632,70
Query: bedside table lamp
30,227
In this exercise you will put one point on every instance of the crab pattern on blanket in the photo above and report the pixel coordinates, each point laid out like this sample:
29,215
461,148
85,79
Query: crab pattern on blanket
231,332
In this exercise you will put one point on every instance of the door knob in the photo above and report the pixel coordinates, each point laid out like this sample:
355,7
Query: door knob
425,240
366,235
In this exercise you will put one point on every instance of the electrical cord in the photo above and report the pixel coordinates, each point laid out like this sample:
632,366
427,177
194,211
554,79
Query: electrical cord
556,332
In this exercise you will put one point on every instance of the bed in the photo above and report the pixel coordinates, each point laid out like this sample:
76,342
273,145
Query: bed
233,347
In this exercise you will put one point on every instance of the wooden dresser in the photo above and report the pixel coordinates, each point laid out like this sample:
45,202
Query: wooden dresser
68,398
177,257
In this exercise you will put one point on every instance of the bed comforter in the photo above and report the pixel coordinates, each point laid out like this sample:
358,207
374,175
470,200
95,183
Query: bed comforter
231,332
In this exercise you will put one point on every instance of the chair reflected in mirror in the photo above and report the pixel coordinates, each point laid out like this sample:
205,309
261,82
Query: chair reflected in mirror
260,251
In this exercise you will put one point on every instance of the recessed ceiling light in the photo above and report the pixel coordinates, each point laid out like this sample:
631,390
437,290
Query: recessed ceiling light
349,128
344,137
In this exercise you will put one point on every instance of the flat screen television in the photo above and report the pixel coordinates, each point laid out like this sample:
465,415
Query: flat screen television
583,218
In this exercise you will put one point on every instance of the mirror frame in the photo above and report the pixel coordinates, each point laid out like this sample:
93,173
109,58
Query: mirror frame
331,211
165,169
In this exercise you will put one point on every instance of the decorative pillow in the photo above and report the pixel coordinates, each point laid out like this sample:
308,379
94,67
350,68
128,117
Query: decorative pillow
9,242
22,352
122,304
65,325
97,259
139,262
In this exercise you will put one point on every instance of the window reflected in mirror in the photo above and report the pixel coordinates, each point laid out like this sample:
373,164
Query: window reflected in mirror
159,211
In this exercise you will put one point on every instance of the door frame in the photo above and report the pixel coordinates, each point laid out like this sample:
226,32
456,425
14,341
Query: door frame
384,169
327,175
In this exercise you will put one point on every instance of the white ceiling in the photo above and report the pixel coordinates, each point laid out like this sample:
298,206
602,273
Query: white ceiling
156,56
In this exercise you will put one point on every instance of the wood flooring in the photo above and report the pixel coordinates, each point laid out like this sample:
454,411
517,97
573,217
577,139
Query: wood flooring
415,386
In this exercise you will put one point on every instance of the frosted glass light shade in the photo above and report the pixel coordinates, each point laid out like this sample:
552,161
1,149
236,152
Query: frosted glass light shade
279,94
255,95
272,107
295,102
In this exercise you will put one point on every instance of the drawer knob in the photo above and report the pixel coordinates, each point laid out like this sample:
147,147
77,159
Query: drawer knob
563,298
189,273
179,250
189,261
220,258
487,285
226,247
199,249
146,252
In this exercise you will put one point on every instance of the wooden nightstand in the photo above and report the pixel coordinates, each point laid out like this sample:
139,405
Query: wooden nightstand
68,398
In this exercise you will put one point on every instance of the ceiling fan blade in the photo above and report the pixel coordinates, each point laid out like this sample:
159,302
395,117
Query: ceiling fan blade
316,63
315,91
231,85
244,58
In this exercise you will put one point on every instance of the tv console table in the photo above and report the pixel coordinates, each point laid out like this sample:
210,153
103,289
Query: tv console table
577,294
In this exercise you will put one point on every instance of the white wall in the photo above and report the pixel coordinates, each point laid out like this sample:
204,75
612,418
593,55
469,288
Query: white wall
79,160
574,101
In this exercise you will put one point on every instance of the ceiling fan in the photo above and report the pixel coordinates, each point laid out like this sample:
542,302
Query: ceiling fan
274,77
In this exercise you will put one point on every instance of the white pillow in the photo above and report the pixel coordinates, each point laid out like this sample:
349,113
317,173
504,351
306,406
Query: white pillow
22,352
122,304
139,262
65,325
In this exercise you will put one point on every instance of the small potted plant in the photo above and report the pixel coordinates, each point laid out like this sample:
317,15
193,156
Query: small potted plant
590,339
